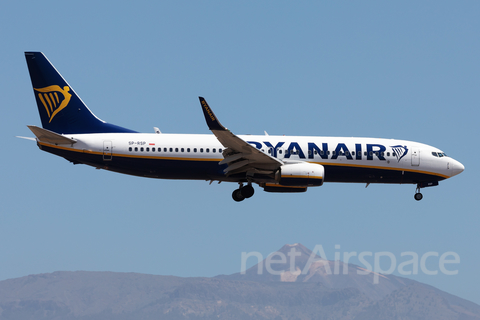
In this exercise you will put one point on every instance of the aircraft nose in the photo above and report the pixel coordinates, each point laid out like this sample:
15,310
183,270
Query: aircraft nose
457,167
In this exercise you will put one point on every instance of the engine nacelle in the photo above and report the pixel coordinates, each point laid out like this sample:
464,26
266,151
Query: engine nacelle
301,175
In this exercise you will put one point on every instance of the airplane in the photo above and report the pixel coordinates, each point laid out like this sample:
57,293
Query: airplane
275,163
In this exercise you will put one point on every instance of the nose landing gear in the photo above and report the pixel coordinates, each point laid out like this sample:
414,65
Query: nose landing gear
418,196
243,192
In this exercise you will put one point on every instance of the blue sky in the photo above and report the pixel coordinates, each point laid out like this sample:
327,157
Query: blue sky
404,70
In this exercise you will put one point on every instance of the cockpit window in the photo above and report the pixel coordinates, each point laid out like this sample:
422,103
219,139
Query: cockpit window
439,154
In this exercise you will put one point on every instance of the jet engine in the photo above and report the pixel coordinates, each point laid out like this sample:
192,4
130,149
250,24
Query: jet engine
300,175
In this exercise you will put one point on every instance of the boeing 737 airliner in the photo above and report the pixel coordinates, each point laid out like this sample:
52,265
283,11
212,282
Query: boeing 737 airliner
275,163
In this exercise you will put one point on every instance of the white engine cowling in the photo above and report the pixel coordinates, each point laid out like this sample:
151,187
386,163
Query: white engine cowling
301,174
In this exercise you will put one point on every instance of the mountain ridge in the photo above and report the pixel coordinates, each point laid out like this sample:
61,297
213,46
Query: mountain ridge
270,294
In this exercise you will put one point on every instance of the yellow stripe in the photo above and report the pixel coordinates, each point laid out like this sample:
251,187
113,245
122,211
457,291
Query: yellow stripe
44,104
53,99
48,100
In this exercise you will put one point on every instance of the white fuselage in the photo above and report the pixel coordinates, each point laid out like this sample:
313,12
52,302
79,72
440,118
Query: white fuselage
123,152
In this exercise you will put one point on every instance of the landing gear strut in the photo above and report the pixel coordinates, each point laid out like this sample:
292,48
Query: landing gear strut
242,192
418,196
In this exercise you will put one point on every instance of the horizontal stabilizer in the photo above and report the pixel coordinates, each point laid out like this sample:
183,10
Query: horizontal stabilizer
45,135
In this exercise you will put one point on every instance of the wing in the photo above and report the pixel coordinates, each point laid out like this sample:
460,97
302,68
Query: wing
240,156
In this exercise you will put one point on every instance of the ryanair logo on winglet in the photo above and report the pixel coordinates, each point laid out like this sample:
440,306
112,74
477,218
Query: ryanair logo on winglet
54,99
207,109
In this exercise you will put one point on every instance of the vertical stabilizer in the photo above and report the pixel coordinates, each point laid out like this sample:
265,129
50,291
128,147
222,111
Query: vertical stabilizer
61,110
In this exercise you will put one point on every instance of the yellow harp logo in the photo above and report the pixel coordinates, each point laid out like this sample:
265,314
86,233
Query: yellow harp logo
54,99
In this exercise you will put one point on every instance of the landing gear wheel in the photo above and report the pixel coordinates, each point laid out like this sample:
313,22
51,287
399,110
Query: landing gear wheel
418,196
237,195
247,191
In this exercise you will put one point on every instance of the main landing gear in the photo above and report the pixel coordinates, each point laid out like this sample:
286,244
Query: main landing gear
243,192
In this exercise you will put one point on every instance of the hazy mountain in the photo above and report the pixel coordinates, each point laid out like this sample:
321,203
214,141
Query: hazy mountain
108,295
330,273
420,301
313,294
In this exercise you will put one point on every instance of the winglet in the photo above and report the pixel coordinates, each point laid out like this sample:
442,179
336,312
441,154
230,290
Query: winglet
212,121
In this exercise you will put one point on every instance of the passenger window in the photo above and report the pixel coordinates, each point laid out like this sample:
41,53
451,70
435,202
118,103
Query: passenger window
201,149
194,149
182,150
148,149
365,153
207,150
353,153
388,154
219,150
214,150
171,149
136,149
188,149
130,149
334,153
141,149
153,149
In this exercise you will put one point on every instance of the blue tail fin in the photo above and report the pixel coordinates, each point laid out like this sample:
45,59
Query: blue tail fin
61,110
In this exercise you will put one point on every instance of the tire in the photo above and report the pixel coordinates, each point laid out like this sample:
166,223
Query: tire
247,191
237,195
